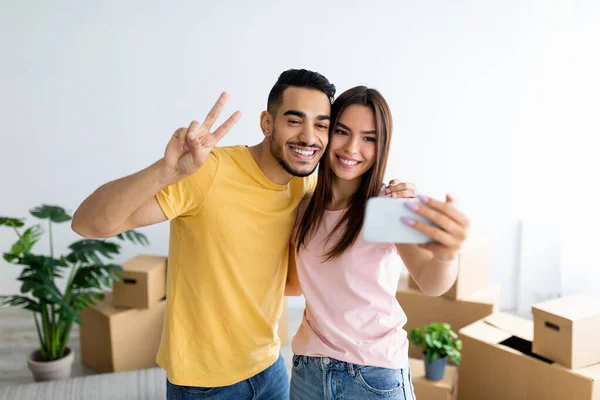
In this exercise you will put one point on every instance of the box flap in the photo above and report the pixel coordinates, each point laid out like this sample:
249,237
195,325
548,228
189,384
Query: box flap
512,324
484,332
144,263
572,308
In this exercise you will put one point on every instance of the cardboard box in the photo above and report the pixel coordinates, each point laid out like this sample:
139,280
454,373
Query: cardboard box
118,339
498,364
144,282
282,327
421,309
445,389
474,261
566,330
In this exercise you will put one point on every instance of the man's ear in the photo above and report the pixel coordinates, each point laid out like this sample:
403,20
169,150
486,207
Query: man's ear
266,123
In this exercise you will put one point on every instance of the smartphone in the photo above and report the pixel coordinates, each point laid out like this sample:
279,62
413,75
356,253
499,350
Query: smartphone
383,225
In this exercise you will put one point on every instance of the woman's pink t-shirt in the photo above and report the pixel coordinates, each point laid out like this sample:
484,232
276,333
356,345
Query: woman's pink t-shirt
351,309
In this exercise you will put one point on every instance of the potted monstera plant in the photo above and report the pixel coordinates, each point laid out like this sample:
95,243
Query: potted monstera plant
438,342
88,271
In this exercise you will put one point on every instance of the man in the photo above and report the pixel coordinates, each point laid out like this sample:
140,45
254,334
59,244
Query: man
232,210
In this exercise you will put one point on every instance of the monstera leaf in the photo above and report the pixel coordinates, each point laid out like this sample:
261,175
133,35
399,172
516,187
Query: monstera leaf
96,276
20,301
133,237
90,250
53,213
24,244
11,222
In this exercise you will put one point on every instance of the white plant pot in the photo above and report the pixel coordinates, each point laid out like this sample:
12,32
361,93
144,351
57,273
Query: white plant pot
50,370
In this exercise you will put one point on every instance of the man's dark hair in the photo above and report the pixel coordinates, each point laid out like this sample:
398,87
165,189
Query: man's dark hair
298,78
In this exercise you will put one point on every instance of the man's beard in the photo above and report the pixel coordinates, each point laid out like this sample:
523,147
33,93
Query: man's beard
276,150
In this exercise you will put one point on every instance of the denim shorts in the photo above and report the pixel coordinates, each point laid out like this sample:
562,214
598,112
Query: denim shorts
324,378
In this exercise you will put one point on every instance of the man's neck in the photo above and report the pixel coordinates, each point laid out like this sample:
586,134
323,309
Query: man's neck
341,192
268,164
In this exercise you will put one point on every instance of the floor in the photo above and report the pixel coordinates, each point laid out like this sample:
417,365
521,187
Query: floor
18,339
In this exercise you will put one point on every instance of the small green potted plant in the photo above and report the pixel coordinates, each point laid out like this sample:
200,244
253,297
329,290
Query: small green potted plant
54,311
438,342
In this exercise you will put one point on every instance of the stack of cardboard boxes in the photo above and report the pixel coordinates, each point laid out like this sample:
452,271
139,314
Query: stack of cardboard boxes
470,299
123,331
555,356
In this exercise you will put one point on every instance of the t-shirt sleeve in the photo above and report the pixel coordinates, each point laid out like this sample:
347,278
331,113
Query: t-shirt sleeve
186,197
311,182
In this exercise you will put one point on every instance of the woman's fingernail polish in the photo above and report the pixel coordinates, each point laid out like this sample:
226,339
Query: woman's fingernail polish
412,206
424,199
408,221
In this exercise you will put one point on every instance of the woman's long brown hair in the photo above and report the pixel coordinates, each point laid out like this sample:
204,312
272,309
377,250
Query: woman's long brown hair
370,185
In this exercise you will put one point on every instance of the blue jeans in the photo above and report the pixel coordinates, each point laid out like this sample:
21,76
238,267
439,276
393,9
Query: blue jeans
271,384
323,378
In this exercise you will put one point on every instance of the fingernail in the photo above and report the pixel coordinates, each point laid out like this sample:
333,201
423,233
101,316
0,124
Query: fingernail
388,191
424,199
412,206
408,221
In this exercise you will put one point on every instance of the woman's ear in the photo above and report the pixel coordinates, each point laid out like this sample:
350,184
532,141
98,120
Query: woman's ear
266,123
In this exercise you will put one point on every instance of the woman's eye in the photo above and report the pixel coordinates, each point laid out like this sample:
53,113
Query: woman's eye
341,132
370,139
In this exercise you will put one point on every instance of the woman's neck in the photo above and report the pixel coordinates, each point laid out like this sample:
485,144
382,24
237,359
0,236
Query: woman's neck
341,192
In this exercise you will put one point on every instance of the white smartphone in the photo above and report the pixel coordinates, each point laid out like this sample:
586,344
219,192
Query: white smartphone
383,225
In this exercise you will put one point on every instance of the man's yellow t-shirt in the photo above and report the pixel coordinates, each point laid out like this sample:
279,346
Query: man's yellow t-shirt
228,254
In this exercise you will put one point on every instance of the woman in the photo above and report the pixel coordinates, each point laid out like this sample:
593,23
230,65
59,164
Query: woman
351,344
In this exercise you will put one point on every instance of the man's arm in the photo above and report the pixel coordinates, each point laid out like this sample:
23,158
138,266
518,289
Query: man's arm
124,204
130,202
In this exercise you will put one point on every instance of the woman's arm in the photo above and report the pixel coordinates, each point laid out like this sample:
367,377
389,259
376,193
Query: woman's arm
434,266
434,276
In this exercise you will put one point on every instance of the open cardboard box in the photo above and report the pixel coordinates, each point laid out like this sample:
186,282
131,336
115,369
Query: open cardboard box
497,363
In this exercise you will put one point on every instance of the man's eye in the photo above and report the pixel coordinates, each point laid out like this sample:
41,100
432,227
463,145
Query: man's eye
294,121
322,126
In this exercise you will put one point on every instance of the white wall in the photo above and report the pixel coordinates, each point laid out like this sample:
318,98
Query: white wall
92,90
